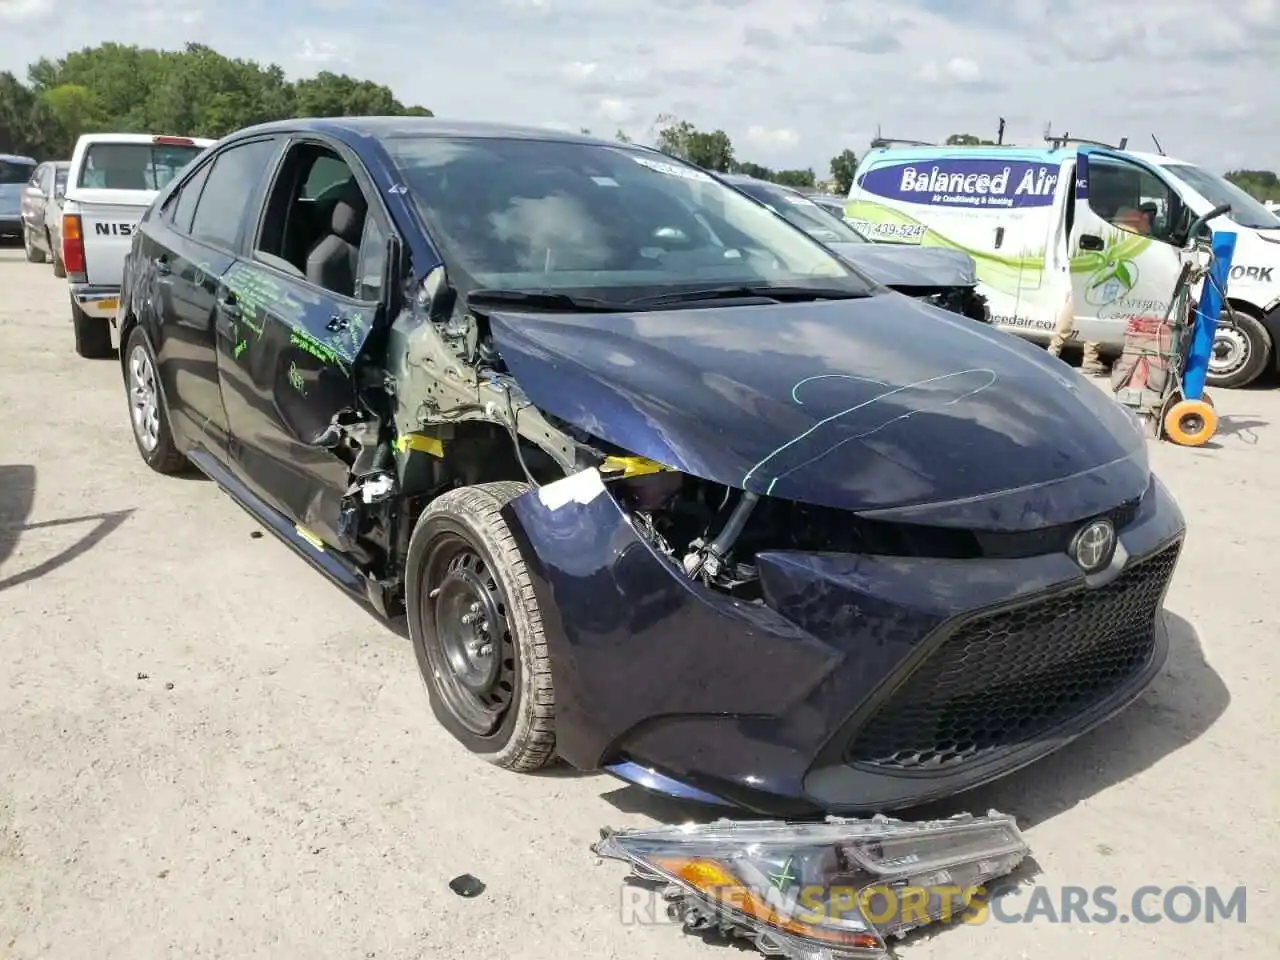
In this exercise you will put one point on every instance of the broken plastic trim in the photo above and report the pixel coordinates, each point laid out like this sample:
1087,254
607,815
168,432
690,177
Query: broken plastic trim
820,891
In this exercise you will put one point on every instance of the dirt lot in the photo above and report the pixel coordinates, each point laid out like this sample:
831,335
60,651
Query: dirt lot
206,750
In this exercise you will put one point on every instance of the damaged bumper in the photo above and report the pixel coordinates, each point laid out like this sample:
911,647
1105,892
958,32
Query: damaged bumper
860,683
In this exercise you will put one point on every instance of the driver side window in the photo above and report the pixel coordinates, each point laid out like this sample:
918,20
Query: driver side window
1133,199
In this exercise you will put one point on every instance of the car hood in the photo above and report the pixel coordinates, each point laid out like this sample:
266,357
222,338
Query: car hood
874,404
902,265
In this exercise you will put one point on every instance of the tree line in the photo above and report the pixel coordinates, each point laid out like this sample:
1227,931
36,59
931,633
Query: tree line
195,92
202,93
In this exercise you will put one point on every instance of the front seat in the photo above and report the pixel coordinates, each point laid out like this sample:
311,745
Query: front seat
333,259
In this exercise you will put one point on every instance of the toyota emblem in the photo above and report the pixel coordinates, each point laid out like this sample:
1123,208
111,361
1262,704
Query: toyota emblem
1093,546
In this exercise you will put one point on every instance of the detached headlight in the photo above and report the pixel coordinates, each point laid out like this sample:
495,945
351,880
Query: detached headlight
821,891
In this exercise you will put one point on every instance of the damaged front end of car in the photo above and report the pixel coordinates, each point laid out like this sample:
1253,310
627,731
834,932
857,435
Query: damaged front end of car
784,565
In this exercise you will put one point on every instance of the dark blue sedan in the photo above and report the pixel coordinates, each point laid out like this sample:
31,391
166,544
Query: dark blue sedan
662,485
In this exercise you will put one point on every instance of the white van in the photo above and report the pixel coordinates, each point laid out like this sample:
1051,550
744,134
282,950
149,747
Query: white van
1102,223
112,179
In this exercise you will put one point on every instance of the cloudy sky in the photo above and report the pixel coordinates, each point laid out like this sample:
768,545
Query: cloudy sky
792,81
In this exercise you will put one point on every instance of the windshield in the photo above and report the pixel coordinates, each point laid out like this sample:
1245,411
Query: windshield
134,166
1245,210
814,220
15,172
537,215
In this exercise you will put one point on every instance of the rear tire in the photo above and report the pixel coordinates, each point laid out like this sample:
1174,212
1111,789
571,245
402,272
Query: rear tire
477,628
34,253
93,334
148,415
1241,350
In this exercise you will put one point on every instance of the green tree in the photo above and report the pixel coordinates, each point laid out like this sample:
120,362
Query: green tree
968,140
843,166
711,151
74,108
795,178
1260,184
195,91
747,168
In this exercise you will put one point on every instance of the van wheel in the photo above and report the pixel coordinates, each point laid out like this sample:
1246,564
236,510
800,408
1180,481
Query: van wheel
34,253
93,334
59,268
1241,350
477,628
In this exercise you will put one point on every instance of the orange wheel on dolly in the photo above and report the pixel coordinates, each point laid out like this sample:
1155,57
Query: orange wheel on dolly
1190,423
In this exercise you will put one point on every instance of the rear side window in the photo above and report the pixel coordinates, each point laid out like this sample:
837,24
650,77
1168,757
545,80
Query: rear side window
134,166
188,196
231,185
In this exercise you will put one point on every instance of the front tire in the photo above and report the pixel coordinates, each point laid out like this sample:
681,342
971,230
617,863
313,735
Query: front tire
34,254
1241,350
477,628
148,415
93,334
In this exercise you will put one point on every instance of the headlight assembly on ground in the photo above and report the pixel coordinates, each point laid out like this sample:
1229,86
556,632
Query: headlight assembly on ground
814,891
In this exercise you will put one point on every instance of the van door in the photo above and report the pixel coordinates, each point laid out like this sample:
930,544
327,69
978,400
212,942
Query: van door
1125,245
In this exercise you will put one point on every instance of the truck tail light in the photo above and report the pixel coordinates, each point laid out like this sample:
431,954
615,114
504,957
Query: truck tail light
73,248
173,141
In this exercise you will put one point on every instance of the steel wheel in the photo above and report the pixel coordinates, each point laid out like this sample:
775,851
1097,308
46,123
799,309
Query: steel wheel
1230,352
470,648
144,399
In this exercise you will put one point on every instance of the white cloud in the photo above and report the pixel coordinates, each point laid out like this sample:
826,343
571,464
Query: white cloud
827,71
19,11
772,137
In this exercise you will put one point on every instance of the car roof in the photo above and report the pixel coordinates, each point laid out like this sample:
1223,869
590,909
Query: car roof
382,128
16,158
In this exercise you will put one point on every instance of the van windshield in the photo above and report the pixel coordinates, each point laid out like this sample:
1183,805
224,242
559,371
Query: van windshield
134,166
1245,210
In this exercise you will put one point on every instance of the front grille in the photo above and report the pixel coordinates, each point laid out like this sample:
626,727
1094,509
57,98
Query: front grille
1001,680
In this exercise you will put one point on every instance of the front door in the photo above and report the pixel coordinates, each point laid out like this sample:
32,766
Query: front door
294,317
1125,246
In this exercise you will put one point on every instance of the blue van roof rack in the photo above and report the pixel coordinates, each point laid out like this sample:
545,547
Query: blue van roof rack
1064,139
879,142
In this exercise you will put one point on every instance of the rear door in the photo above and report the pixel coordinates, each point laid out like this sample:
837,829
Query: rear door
185,249
1125,244
33,198
296,314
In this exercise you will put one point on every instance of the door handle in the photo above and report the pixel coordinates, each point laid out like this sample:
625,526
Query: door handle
999,237
1089,242
229,308
162,265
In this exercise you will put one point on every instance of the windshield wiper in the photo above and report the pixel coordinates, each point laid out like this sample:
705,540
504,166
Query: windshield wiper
541,298
780,292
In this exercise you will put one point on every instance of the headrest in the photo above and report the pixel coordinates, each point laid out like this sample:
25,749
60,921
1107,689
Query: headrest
347,220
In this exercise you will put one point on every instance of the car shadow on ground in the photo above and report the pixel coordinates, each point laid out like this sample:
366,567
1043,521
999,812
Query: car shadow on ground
1185,700
17,497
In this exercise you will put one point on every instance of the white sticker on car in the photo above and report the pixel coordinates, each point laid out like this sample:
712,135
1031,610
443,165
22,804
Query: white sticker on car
673,169
581,487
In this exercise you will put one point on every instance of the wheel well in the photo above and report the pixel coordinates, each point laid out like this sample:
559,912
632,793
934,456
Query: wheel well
126,328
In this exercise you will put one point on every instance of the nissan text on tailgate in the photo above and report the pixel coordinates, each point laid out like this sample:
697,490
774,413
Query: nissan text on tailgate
112,180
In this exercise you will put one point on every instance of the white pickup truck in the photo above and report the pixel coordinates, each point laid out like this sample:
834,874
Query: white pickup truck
112,179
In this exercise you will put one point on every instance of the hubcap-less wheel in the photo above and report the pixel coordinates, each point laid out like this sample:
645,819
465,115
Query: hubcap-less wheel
471,653
144,400
1230,351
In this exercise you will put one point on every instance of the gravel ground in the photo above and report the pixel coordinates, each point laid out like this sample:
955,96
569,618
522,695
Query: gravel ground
206,750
